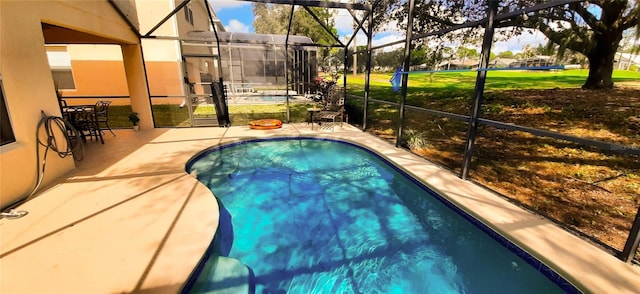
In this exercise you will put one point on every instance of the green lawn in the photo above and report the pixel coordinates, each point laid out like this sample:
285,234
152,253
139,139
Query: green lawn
453,91
446,85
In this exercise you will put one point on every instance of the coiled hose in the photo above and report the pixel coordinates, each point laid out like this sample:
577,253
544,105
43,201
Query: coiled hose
52,125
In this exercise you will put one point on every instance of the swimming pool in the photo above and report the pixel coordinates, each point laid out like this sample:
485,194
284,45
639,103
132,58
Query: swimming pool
321,216
275,98
267,99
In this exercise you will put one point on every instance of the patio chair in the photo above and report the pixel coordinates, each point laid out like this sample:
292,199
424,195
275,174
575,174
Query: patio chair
245,88
102,115
334,109
85,121
63,108
62,103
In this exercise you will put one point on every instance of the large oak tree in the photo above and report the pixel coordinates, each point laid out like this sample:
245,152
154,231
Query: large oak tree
593,28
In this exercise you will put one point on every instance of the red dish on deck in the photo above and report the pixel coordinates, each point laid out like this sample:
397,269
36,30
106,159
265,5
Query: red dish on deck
265,124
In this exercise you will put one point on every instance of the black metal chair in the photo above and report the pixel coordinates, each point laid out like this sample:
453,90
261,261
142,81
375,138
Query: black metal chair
102,115
85,121
63,105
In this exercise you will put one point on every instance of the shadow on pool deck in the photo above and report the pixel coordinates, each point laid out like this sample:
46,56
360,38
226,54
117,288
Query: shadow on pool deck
130,219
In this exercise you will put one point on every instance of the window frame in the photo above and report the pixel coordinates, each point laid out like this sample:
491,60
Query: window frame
188,14
61,67
7,135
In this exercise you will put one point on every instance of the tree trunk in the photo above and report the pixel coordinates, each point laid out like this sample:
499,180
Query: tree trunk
599,73
601,59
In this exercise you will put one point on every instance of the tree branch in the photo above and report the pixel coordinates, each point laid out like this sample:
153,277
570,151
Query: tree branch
588,17
568,39
633,19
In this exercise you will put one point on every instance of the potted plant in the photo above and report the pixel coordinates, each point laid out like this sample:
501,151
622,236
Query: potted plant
134,119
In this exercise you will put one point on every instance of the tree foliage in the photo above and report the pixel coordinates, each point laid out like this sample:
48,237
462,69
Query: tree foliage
274,19
506,54
593,28
467,53
390,59
270,19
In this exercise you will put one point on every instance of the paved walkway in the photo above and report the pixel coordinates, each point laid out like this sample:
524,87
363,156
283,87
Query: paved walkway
130,219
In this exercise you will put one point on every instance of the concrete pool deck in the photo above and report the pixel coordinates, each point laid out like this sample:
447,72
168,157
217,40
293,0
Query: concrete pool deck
129,218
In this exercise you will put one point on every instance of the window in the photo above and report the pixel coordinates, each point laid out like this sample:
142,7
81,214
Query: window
188,14
6,131
60,64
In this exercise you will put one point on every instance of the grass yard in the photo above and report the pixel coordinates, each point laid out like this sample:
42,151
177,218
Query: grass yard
595,193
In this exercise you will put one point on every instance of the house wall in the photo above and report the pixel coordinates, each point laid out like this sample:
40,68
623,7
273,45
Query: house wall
28,83
107,78
98,69
163,57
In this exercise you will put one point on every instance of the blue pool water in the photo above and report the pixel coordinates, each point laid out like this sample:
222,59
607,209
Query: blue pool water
279,99
322,216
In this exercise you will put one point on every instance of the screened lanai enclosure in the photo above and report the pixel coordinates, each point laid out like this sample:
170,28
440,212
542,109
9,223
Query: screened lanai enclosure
241,69
461,137
255,63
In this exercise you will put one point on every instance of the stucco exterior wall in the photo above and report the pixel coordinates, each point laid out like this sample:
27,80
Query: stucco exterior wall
98,70
98,77
108,78
150,12
28,83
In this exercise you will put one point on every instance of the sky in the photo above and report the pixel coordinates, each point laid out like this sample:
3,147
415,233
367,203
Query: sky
236,16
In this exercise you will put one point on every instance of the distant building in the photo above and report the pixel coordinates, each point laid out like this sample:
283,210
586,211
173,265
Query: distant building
626,61
539,60
458,64
501,62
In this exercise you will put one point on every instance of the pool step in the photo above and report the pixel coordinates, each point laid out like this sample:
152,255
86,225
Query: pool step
230,276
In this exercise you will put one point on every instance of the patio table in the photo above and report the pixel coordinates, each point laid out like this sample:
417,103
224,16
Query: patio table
83,118
312,111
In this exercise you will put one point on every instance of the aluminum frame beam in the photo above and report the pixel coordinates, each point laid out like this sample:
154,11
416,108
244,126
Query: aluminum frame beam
367,77
133,27
225,107
321,24
355,17
172,13
405,69
606,146
478,98
286,62
317,3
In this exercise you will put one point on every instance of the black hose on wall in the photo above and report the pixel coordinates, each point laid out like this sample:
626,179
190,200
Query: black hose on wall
54,128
